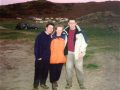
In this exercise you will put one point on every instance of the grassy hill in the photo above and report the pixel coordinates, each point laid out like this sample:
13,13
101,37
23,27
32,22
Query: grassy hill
48,9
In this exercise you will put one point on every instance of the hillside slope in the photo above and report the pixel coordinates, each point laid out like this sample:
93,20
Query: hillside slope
48,9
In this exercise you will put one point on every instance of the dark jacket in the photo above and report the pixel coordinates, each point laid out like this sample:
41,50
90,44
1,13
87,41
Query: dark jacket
42,46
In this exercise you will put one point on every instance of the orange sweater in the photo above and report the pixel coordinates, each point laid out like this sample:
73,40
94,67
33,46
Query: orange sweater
57,51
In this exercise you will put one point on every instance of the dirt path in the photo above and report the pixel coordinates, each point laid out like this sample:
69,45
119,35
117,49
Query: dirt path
17,69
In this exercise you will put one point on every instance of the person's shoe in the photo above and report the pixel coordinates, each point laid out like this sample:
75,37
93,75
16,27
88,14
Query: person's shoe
35,88
82,87
44,86
54,88
56,84
68,86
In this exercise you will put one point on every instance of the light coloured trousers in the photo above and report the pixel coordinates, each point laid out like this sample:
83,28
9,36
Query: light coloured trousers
70,65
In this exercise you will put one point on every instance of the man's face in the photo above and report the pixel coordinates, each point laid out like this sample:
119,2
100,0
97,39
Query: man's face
72,24
49,29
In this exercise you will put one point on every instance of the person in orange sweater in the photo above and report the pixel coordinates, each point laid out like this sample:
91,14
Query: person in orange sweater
57,57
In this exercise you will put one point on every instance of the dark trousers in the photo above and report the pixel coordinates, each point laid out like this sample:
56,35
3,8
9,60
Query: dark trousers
55,72
41,72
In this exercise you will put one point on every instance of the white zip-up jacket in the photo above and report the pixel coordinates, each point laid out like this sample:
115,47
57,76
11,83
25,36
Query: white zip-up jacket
80,43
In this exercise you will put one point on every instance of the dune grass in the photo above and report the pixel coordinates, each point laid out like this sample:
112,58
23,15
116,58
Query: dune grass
91,66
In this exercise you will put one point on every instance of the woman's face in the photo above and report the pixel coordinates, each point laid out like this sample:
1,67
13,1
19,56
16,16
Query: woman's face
59,30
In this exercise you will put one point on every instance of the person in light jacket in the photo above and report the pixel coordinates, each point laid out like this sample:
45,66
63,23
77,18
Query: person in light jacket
57,57
75,49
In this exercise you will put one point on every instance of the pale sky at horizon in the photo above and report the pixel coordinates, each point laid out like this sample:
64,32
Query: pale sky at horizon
78,1
6,2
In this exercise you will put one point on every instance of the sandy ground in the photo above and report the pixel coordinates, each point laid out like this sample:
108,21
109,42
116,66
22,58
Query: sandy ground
17,69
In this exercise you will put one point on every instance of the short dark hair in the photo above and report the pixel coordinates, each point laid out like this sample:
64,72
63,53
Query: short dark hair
49,23
71,19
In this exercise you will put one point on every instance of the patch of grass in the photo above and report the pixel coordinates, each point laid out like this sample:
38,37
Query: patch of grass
11,25
32,30
11,35
100,40
7,34
91,66
89,55
103,37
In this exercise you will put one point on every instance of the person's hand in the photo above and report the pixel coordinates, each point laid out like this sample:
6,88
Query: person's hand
40,59
80,56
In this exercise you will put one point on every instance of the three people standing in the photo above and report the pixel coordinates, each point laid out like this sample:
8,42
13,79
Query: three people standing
50,51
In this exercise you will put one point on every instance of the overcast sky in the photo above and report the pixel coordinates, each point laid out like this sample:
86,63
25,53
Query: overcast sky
76,1
6,2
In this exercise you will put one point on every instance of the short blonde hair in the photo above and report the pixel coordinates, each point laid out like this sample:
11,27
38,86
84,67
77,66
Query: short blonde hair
58,25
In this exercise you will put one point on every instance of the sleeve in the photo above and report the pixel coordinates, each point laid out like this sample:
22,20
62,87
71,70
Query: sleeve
83,45
65,40
51,45
38,48
64,31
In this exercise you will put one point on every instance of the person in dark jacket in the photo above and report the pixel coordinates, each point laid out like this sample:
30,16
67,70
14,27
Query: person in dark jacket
42,57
